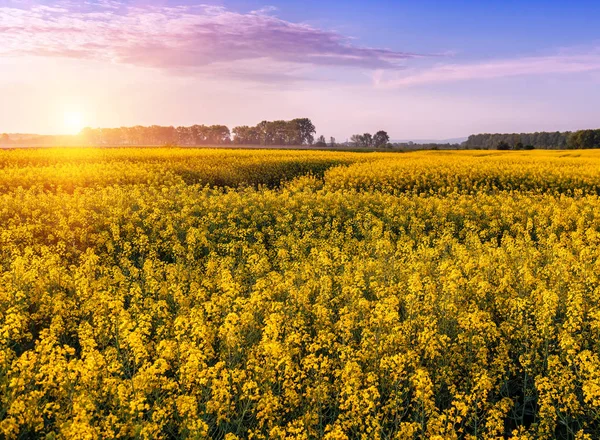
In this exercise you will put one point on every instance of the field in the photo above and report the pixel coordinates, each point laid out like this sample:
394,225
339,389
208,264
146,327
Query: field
186,293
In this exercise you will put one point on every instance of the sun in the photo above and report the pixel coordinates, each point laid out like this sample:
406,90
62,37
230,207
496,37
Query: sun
73,122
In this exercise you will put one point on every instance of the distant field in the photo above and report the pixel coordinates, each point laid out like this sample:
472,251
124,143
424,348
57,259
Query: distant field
211,293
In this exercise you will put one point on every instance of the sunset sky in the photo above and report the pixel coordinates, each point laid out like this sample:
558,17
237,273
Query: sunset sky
418,69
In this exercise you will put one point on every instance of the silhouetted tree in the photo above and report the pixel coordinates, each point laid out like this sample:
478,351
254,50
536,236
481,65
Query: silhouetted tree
295,132
184,135
245,135
218,134
584,139
381,139
550,140
306,130
321,142
357,140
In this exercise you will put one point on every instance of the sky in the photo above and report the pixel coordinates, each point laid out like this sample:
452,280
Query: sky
417,69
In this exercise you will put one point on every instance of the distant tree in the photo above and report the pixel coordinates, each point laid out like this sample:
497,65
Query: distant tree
112,136
4,139
381,139
367,140
584,139
517,141
245,135
184,135
277,132
548,140
265,130
502,145
357,140
218,134
332,142
139,135
306,130
321,142
295,132
198,134
528,147
168,135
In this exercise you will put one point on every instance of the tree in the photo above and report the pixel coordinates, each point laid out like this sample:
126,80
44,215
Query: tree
198,134
321,142
381,139
4,139
503,146
357,140
306,130
139,135
295,132
283,133
184,135
362,140
265,129
585,139
517,142
538,140
112,136
245,135
168,135
218,134
332,142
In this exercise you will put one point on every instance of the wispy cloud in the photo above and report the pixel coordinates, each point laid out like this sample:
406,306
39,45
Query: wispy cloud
176,38
563,63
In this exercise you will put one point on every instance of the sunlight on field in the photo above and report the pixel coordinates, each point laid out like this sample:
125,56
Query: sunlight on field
166,293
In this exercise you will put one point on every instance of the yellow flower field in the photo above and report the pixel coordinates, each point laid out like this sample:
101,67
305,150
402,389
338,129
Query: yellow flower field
197,293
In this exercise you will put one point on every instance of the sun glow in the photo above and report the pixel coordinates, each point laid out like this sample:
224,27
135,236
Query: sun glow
73,122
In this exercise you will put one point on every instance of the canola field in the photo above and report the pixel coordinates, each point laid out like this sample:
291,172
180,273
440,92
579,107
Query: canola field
189,293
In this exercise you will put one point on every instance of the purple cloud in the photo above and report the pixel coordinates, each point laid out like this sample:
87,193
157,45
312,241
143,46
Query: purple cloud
177,38
527,66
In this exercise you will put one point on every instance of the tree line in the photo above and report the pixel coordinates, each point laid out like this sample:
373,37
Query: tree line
584,139
295,132
581,139
300,131
367,140
156,135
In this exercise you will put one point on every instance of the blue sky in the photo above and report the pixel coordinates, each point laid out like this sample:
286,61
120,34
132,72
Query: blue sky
476,26
419,69
472,29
